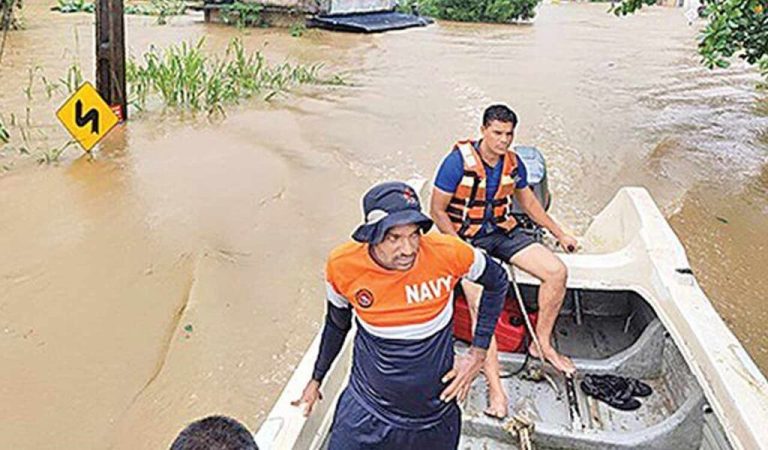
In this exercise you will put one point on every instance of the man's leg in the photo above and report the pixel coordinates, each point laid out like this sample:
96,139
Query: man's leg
544,265
497,399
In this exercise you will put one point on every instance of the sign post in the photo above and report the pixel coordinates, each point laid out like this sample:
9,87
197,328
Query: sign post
110,55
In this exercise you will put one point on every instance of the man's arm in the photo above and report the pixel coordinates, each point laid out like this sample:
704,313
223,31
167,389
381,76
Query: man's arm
338,321
438,210
531,206
447,180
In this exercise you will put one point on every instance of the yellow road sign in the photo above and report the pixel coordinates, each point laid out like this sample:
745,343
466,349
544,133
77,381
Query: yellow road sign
87,116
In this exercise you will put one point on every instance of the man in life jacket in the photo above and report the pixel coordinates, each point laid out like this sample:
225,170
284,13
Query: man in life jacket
472,198
405,381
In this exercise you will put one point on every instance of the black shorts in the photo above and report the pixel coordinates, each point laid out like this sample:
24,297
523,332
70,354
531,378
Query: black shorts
503,245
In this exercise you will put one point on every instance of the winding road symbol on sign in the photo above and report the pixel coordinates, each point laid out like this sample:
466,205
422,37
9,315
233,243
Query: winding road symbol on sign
91,116
87,116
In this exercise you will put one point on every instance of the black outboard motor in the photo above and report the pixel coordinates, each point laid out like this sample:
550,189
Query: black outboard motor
536,168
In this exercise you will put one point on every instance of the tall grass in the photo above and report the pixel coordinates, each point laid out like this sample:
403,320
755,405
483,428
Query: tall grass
185,76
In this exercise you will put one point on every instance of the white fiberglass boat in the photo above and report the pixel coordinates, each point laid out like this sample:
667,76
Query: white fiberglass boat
633,308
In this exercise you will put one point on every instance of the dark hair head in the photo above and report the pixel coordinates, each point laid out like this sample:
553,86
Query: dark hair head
501,113
215,433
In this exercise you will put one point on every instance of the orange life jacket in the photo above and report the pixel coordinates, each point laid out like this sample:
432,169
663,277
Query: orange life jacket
467,206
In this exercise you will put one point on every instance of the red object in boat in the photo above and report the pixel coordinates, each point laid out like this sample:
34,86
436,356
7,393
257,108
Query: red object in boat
509,337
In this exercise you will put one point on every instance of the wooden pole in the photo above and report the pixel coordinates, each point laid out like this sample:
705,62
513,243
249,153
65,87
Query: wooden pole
110,54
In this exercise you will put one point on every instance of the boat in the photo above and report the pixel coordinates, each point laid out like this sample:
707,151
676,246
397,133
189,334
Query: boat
633,308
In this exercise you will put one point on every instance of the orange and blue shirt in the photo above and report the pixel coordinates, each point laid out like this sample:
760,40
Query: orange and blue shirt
404,342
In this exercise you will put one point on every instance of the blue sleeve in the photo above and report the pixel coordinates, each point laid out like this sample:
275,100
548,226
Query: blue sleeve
338,321
522,173
495,285
450,172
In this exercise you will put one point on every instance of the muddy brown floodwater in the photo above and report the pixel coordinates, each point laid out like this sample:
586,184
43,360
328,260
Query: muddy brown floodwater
177,272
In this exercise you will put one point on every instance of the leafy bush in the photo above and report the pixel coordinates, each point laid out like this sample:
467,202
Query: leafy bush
497,11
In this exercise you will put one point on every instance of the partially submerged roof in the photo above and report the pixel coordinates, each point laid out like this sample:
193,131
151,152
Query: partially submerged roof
369,22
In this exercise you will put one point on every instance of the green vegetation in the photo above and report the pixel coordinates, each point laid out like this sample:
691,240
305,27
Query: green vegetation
9,14
298,29
53,155
495,11
163,9
73,78
72,6
184,76
243,14
734,28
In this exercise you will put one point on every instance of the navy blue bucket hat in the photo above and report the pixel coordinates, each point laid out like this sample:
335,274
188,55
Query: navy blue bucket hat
387,205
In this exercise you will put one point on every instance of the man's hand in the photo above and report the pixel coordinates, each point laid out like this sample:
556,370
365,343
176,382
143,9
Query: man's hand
568,243
310,396
465,369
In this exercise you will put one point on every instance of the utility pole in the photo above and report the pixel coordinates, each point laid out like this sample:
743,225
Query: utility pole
110,55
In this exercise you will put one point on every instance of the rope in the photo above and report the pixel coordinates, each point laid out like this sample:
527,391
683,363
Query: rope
521,428
528,324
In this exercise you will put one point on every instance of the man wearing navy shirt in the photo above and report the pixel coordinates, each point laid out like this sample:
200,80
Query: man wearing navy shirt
474,190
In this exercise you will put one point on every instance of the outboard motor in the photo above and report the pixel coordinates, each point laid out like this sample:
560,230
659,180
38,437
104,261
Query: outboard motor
536,168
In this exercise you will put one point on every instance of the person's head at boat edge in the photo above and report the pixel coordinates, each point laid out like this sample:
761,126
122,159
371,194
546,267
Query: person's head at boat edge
215,433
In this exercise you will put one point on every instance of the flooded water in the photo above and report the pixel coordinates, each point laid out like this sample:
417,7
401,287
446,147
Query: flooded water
177,272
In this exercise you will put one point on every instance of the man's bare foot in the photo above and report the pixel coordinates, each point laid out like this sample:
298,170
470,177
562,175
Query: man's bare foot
560,362
498,405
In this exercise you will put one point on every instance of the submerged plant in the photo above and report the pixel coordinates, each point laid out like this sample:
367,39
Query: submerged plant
73,78
184,76
243,14
164,9
54,154
298,29
73,6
